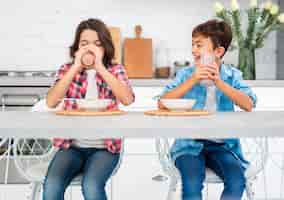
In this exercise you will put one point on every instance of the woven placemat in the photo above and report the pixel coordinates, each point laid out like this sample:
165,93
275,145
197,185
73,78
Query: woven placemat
177,113
84,112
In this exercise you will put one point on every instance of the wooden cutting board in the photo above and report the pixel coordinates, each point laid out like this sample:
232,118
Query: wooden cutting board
116,38
138,56
84,112
177,113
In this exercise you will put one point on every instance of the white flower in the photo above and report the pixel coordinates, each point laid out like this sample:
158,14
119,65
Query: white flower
235,5
253,3
267,5
218,7
281,18
274,9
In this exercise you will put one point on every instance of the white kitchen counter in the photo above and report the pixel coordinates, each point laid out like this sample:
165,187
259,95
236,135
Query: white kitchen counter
164,82
138,125
47,81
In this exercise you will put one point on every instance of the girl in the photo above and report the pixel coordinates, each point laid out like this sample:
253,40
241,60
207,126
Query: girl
95,159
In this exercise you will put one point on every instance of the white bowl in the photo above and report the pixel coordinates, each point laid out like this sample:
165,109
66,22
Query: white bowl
93,104
178,104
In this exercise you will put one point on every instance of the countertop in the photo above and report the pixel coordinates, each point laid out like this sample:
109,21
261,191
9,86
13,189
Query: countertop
47,81
138,125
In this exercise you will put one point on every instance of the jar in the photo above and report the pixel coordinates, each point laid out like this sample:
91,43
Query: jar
162,63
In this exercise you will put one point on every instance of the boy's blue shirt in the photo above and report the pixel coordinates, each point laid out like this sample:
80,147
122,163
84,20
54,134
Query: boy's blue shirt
231,76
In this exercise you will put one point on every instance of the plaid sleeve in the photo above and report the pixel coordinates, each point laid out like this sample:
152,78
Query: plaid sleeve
61,143
61,72
120,73
113,145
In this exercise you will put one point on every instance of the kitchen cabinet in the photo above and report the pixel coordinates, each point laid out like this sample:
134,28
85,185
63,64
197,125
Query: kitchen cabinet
140,175
9,191
269,98
137,179
139,147
144,98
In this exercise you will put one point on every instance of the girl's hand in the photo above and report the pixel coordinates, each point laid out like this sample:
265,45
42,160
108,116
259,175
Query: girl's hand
78,57
99,54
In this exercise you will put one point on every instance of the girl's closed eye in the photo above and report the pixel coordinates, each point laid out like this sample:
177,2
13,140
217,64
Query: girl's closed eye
83,43
98,43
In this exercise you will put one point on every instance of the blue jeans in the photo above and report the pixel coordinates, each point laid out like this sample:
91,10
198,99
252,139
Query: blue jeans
221,161
95,165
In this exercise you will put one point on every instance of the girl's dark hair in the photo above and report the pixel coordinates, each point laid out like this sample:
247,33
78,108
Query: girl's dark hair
219,32
103,35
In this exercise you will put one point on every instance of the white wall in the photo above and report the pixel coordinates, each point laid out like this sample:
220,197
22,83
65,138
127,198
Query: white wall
35,34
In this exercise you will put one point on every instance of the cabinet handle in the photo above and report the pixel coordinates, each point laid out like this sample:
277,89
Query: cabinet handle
160,178
27,99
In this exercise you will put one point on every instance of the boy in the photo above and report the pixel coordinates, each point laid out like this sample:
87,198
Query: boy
223,156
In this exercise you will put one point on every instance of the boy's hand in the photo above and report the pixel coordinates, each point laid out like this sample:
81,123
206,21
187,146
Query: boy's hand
160,105
201,73
213,72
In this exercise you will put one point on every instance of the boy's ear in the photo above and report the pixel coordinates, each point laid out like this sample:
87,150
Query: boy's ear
220,51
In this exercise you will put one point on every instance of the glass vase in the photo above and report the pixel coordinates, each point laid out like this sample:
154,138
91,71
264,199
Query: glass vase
247,62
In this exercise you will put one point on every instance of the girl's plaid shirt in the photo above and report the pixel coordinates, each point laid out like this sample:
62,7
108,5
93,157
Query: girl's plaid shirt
78,89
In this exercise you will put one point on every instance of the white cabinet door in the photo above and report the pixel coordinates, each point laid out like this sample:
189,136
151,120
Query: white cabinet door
14,191
269,98
139,146
144,99
134,179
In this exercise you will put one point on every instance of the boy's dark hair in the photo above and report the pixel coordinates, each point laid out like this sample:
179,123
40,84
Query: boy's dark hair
103,35
219,32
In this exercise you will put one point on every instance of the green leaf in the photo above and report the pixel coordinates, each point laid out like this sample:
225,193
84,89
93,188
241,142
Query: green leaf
253,18
236,21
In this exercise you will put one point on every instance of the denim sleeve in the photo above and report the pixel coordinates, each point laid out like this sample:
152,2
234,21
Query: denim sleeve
180,76
239,84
